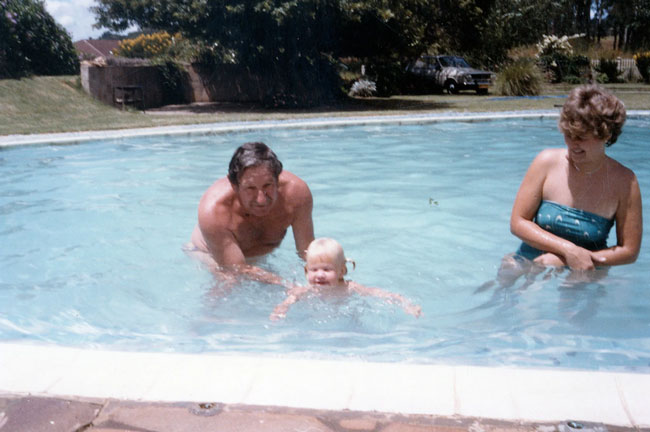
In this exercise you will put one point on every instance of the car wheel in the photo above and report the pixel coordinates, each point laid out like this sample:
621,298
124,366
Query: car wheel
482,91
451,88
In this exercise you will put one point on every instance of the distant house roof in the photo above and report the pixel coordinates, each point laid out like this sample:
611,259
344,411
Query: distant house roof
91,48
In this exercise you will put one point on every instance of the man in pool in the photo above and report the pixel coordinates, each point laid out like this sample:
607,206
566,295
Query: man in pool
246,214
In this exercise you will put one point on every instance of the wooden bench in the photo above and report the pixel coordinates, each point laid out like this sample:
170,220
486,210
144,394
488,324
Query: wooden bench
128,95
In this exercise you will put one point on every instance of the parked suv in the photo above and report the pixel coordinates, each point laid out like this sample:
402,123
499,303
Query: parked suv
451,73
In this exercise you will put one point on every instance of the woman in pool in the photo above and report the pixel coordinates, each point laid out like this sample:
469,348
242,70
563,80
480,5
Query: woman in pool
570,198
325,268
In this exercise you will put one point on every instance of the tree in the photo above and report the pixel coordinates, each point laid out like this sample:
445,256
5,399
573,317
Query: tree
31,42
630,22
289,43
294,44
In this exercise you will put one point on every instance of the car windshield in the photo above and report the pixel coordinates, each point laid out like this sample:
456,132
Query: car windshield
448,61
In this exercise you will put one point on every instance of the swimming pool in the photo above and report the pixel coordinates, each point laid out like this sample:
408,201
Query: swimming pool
92,237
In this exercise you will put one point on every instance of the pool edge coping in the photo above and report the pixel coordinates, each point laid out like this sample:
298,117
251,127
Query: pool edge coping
225,127
502,393
318,122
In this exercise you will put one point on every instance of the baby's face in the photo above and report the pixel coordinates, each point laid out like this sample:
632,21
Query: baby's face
322,273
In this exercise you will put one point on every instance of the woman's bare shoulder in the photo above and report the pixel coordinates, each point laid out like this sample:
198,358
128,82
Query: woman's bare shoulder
621,170
551,155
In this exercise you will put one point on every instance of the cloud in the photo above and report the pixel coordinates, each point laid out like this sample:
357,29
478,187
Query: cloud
75,16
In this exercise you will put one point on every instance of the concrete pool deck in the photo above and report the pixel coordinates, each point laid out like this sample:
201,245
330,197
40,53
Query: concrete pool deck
417,393
71,389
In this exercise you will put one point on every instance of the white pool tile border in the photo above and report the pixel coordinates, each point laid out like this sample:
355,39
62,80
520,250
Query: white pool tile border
224,127
512,394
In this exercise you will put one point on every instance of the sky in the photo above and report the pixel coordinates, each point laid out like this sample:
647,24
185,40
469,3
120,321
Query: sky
75,16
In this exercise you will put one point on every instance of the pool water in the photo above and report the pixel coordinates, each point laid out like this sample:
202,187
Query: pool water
91,252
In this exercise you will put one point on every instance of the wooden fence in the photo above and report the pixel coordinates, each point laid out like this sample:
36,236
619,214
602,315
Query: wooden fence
625,65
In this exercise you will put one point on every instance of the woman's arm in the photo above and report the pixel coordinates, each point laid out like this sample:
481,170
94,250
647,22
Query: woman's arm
629,223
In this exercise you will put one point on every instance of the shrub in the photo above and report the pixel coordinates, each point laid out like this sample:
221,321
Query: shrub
173,77
602,78
521,78
363,88
642,60
551,44
31,42
390,77
147,45
609,68
560,67
572,79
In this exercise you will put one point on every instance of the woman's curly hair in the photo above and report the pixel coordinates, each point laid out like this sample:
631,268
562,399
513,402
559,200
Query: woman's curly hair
593,110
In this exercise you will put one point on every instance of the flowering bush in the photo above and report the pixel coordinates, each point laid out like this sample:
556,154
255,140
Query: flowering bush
552,44
642,60
556,56
363,88
147,46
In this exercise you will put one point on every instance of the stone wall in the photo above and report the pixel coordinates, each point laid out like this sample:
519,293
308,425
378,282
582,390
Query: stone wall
105,83
200,84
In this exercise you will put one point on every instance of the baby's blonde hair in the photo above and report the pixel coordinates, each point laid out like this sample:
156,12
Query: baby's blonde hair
328,249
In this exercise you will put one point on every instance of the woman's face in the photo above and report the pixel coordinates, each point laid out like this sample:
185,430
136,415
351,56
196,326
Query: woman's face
585,149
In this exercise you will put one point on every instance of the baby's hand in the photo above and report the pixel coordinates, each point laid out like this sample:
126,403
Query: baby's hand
280,312
414,310
277,316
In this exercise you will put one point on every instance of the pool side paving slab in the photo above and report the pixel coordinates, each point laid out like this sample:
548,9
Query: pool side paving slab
137,385
53,388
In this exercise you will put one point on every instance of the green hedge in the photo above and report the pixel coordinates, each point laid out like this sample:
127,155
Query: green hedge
31,42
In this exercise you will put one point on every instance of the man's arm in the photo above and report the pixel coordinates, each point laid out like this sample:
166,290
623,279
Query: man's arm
225,250
303,224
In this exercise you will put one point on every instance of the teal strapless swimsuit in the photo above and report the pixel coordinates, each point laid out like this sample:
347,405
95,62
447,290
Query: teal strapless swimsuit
585,229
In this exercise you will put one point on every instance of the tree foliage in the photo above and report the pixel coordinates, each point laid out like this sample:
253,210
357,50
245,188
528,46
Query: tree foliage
289,42
295,44
31,42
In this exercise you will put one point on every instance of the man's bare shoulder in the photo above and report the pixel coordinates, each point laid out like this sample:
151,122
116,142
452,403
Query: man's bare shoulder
294,189
216,203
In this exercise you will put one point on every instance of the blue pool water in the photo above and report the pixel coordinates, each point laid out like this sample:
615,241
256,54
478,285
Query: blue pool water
91,255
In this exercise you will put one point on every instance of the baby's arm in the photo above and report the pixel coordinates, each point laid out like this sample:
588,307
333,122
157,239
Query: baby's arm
293,295
406,304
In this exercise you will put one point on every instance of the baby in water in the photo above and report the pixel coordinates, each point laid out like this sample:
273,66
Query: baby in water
325,268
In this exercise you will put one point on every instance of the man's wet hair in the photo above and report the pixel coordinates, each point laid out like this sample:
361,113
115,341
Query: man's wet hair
253,154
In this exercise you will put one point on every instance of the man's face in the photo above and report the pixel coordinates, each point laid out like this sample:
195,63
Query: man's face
257,190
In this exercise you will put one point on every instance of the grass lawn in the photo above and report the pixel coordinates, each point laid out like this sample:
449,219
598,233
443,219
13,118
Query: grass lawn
59,104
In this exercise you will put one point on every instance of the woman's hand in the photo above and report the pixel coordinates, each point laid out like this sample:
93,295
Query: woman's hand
549,260
576,257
